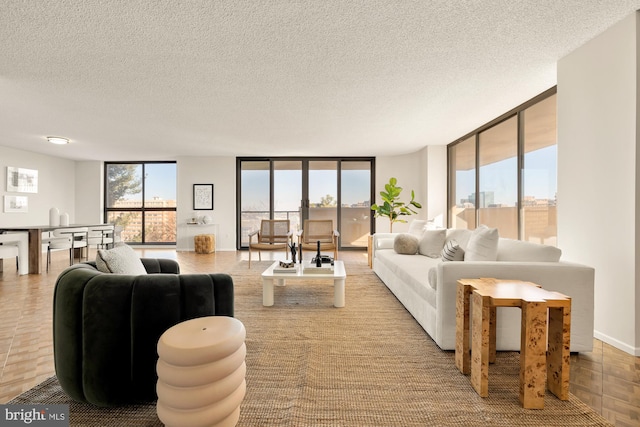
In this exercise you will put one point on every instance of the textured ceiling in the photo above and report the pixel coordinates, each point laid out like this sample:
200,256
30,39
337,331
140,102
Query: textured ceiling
153,80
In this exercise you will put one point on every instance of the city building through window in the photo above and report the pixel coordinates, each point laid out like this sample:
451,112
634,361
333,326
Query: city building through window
140,197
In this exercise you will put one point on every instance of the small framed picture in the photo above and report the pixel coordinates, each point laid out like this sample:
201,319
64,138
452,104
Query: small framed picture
22,180
16,204
202,197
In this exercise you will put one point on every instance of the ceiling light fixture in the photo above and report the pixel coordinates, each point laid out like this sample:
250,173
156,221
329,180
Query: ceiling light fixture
57,140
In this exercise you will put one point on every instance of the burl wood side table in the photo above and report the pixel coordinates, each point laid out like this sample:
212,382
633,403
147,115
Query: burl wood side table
538,365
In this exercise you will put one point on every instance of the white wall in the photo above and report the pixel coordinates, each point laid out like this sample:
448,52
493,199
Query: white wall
425,172
90,192
598,175
221,172
437,184
56,187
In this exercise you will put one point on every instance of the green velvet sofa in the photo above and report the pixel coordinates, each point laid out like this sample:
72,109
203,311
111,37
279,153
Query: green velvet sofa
106,326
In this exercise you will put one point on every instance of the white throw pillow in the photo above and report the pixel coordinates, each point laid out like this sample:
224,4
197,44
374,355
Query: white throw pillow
432,242
120,260
386,243
417,227
406,244
452,251
483,245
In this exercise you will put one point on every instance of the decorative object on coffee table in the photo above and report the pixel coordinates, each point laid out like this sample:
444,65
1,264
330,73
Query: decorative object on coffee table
292,246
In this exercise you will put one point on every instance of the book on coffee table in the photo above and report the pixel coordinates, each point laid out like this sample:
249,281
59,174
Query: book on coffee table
310,268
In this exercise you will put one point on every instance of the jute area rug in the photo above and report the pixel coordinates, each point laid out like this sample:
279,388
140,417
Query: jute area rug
367,364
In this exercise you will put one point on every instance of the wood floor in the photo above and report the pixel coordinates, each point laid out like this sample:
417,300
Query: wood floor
607,379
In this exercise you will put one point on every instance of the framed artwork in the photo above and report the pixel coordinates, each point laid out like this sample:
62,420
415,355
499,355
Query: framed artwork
202,197
22,180
16,204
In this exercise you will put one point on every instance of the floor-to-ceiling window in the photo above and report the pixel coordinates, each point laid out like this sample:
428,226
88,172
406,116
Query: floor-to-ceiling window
140,197
497,200
462,184
539,179
503,174
339,189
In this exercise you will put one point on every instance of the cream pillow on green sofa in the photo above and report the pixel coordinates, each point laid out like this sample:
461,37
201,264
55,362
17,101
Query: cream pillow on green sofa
119,260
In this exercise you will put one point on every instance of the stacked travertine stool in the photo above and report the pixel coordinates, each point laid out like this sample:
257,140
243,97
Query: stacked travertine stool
201,372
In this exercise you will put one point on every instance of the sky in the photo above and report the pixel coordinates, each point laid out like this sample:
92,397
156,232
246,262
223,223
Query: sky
288,187
540,179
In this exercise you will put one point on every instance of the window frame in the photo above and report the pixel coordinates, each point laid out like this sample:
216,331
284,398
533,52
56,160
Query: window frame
305,167
518,112
142,210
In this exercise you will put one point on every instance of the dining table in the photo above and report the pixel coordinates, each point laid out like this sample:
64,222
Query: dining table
33,236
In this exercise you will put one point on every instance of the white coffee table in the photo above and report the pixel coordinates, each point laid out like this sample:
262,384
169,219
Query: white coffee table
339,277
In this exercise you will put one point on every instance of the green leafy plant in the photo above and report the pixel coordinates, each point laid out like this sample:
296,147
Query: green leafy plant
393,208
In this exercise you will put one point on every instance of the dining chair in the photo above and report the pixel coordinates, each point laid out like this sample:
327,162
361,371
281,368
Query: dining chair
100,236
72,238
318,230
273,235
9,250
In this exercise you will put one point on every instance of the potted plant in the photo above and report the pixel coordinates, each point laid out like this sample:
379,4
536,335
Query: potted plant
393,208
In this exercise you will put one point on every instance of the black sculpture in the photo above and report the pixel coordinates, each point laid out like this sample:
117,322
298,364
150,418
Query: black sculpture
293,251
318,256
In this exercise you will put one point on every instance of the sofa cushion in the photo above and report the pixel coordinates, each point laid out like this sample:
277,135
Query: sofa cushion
432,242
452,251
412,271
518,250
483,245
120,260
406,244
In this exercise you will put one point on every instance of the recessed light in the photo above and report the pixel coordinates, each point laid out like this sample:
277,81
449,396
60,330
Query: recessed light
57,140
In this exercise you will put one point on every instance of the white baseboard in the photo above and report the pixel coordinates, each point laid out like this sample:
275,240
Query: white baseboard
635,351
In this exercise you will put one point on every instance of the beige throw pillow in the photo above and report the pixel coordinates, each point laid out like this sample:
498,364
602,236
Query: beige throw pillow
405,244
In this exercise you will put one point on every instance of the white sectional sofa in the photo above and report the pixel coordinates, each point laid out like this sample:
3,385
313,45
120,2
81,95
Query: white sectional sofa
426,285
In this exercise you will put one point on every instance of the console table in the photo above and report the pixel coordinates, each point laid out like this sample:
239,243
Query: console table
538,365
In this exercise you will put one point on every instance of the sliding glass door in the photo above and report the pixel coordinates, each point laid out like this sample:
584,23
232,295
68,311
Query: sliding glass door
339,189
355,211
